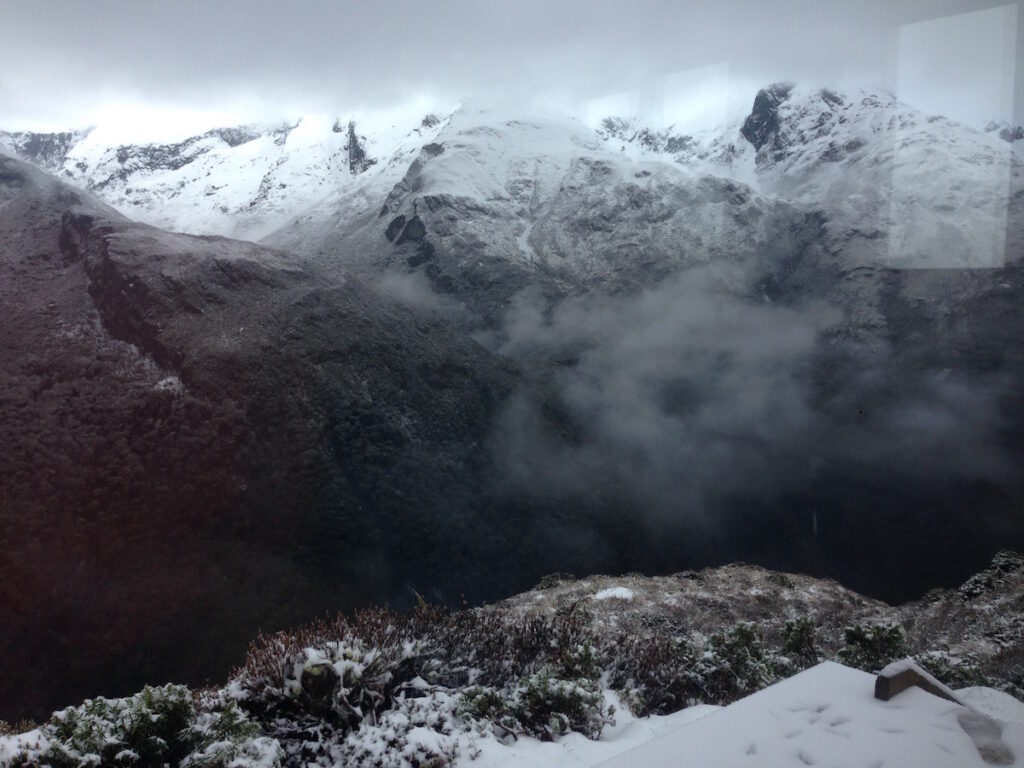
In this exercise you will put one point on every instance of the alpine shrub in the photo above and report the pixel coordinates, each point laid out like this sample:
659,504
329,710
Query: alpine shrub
871,647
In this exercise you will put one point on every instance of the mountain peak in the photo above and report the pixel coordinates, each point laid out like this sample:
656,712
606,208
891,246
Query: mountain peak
763,122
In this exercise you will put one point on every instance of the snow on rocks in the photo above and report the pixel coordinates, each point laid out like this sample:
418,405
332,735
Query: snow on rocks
901,188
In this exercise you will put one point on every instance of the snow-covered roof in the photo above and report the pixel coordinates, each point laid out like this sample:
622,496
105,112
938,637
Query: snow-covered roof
828,716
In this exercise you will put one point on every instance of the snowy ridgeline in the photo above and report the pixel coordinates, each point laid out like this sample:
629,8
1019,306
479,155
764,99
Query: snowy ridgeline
899,186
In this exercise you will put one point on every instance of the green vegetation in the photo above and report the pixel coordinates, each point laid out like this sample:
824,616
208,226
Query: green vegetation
798,642
157,727
872,646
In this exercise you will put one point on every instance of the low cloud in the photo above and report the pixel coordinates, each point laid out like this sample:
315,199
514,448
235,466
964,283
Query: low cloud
413,289
672,397
274,59
715,420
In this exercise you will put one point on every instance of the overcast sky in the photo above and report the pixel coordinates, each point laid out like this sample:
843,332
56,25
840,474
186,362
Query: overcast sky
67,63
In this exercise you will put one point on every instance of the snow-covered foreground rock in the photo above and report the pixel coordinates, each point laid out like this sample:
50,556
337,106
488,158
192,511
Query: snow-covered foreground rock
828,715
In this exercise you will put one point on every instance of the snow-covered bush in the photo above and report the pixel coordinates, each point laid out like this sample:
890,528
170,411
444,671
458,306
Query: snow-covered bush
951,670
542,705
551,706
656,675
313,687
418,732
872,646
736,663
659,675
1004,564
147,729
1011,664
341,689
156,727
798,642
225,738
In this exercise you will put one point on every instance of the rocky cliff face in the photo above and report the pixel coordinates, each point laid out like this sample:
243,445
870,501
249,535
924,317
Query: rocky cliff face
761,127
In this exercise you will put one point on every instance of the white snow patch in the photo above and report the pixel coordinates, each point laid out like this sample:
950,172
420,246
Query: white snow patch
615,593
170,384
524,242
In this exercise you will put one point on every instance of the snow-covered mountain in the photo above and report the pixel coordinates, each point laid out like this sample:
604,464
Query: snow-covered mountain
499,201
901,188
241,182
